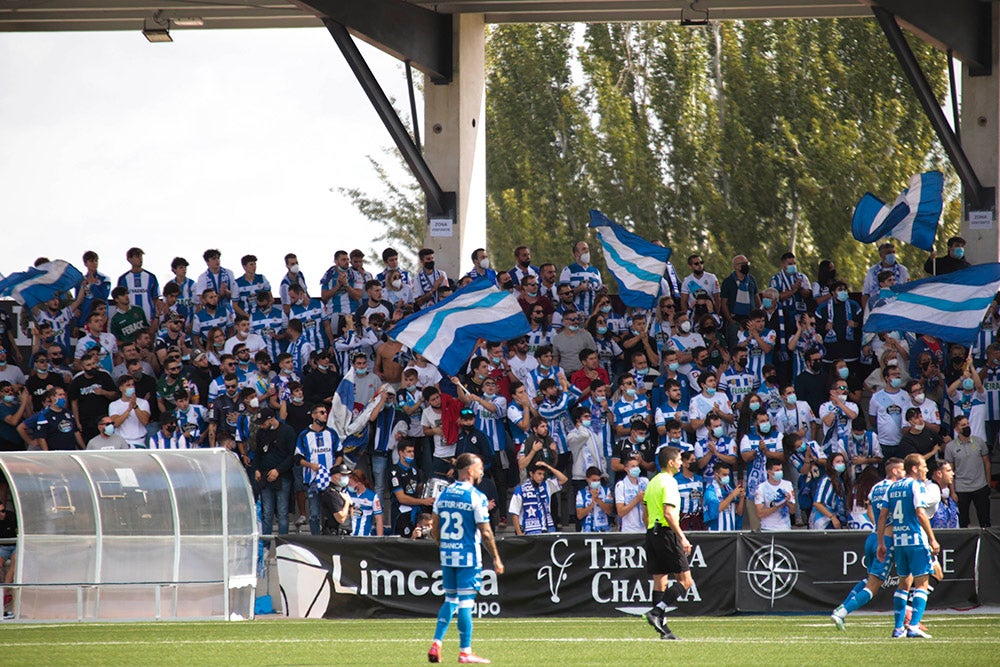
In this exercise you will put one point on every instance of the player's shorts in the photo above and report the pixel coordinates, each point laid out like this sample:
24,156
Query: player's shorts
878,568
467,580
663,552
913,561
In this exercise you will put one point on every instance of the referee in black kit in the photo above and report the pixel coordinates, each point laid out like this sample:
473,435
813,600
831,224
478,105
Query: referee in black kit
667,547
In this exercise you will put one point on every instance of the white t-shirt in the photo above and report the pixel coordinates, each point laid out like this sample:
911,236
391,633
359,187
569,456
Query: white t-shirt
794,419
254,342
888,410
701,405
427,376
707,282
131,429
625,492
432,419
769,495
522,369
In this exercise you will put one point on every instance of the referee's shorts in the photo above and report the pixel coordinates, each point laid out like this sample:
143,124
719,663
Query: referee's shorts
663,552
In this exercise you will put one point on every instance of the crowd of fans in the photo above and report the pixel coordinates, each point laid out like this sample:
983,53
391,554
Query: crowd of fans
784,409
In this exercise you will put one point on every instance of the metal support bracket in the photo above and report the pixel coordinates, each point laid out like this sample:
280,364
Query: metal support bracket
975,193
439,202
401,29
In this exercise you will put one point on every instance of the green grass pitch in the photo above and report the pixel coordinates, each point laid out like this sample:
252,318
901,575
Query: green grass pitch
959,639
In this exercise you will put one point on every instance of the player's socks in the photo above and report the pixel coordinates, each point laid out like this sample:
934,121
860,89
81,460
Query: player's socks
465,627
658,604
858,587
859,600
444,619
672,594
919,605
899,607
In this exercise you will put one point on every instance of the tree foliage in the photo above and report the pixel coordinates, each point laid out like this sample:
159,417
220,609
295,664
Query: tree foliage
743,137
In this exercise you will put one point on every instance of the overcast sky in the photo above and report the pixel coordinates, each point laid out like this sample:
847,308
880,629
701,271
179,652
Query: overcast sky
223,138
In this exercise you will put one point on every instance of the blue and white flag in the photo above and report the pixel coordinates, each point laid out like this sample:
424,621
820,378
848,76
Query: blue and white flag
949,307
912,218
40,283
638,265
347,417
446,333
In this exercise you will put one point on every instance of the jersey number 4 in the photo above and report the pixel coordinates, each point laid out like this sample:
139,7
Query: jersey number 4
451,526
897,512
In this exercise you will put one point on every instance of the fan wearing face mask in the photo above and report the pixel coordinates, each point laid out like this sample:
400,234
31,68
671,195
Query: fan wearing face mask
584,279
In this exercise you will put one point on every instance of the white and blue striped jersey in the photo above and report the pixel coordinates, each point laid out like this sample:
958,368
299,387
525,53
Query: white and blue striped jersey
624,410
738,384
904,498
492,423
986,336
320,447
724,445
268,324
714,518
143,290
192,423
461,507
185,301
300,349
341,303
991,385
666,412
404,277
756,357
537,374
312,318
204,321
878,497
217,386
514,416
61,322
365,507
692,493
287,282
160,441
215,281
539,337
576,275
245,291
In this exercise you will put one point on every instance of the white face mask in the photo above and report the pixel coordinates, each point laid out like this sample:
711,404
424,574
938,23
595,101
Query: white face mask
293,269
686,327
484,263
254,403
585,258
945,492
396,284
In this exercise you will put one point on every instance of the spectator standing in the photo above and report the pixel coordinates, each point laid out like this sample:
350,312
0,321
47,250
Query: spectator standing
970,460
583,279
629,493
143,287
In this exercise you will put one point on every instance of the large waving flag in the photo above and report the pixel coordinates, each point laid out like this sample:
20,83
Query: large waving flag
950,307
447,332
347,417
912,218
637,264
40,283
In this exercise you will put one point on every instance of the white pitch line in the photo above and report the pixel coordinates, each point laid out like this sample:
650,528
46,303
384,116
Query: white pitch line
483,640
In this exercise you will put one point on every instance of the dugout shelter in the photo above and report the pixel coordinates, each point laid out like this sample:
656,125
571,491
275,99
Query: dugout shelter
132,535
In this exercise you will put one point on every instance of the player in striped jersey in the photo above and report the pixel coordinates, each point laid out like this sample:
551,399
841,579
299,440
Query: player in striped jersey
913,543
213,313
461,523
340,286
223,281
293,276
724,504
317,447
584,279
366,519
248,286
143,288
270,323
989,373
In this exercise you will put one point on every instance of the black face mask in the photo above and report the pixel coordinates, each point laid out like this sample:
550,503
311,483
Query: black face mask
966,431
771,379
429,266
743,268
319,422
957,361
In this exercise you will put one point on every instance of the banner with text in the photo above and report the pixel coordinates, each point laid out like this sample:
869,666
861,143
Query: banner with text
593,574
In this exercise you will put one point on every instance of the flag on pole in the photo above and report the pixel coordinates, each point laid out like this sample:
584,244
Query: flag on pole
950,307
912,218
446,333
638,265
40,283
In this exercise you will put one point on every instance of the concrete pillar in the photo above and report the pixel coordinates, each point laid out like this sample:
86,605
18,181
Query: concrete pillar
455,145
980,127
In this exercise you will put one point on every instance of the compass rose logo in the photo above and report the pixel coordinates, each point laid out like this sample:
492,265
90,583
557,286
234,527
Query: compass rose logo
772,571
